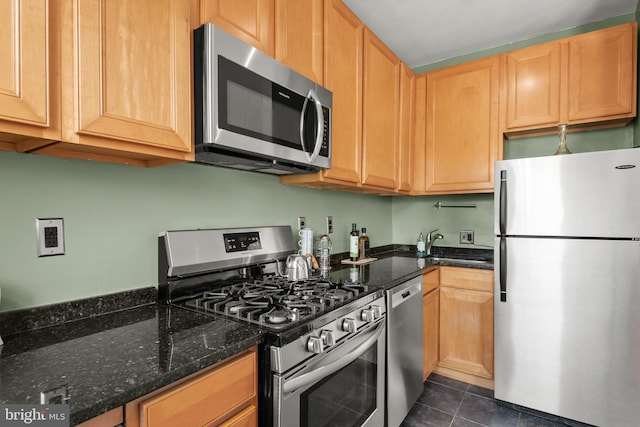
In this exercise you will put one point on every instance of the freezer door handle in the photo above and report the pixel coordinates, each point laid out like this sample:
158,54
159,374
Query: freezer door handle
503,202
503,269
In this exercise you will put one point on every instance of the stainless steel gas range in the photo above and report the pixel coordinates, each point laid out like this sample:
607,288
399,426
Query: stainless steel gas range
323,361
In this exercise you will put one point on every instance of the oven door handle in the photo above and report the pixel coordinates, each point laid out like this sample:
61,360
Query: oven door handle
324,371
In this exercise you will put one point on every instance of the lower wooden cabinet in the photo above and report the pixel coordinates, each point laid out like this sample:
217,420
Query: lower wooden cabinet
457,311
224,395
430,320
466,323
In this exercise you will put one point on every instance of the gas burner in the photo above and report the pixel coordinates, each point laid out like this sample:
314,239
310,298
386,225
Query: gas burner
274,302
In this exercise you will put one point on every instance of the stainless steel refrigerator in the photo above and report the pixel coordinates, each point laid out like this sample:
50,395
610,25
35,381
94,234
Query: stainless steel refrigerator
567,288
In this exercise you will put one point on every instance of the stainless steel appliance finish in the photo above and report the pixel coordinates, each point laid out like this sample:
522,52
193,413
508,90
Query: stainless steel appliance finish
325,344
404,353
567,286
255,113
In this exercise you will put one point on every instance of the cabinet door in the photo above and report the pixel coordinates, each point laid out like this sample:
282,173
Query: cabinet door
419,136
466,331
380,114
406,127
462,127
533,86
430,331
131,76
602,74
299,36
343,76
249,20
27,86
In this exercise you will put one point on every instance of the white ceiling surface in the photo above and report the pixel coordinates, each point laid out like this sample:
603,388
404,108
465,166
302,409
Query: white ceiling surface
422,32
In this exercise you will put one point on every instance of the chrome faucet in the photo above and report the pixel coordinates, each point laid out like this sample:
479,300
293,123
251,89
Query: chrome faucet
431,240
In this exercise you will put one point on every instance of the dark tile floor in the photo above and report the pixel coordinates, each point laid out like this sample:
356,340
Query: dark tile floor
449,403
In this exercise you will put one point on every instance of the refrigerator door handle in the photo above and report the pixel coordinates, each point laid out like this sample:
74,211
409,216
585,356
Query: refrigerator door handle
503,269
503,202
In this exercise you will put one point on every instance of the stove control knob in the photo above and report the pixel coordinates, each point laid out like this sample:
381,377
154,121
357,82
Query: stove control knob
314,345
327,338
377,312
349,326
368,315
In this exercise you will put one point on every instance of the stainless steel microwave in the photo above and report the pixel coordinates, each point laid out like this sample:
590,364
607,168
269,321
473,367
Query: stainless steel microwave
255,113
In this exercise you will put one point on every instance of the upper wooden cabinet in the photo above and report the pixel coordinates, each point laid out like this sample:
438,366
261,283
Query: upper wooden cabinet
602,74
29,91
250,20
419,157
585,79
406,128
299,36
462,136
122,85
380,114
343,43
533,81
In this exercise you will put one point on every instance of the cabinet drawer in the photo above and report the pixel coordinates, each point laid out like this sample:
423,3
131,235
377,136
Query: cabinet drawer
430,281
466,278
246,418
205,399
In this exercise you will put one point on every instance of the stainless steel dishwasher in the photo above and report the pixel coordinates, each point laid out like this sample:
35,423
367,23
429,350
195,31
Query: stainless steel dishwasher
404,349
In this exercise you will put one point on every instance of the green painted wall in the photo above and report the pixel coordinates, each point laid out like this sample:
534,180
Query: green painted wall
113,214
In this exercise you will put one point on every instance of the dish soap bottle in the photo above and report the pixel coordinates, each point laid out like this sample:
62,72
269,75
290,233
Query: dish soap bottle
422,251
363,244
353,243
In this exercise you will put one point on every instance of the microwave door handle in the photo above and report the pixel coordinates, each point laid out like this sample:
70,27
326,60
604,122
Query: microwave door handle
319,116
326,370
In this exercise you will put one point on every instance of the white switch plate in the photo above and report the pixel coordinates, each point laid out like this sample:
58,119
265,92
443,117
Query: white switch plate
50,236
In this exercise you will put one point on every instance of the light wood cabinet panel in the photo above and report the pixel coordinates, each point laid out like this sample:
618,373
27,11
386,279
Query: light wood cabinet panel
299,36
466,331
343,43
380,114
602,74
467,278
430,334
29,88
227,393
586,81
406,128
131,77
463,138
430,280
466,321
532,86
250,20
246,418
419,137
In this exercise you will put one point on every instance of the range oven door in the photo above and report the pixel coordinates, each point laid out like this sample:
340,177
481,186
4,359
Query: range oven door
344,386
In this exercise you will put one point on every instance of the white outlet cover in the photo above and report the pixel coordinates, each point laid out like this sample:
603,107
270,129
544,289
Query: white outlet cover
50,236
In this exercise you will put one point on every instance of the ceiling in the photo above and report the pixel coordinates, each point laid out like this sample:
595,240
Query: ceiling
422,32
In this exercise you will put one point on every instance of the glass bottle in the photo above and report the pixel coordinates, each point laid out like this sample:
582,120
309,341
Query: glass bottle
353,243
363,244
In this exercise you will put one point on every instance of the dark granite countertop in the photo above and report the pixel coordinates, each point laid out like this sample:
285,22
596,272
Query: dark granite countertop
398,265
111,359
107,360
